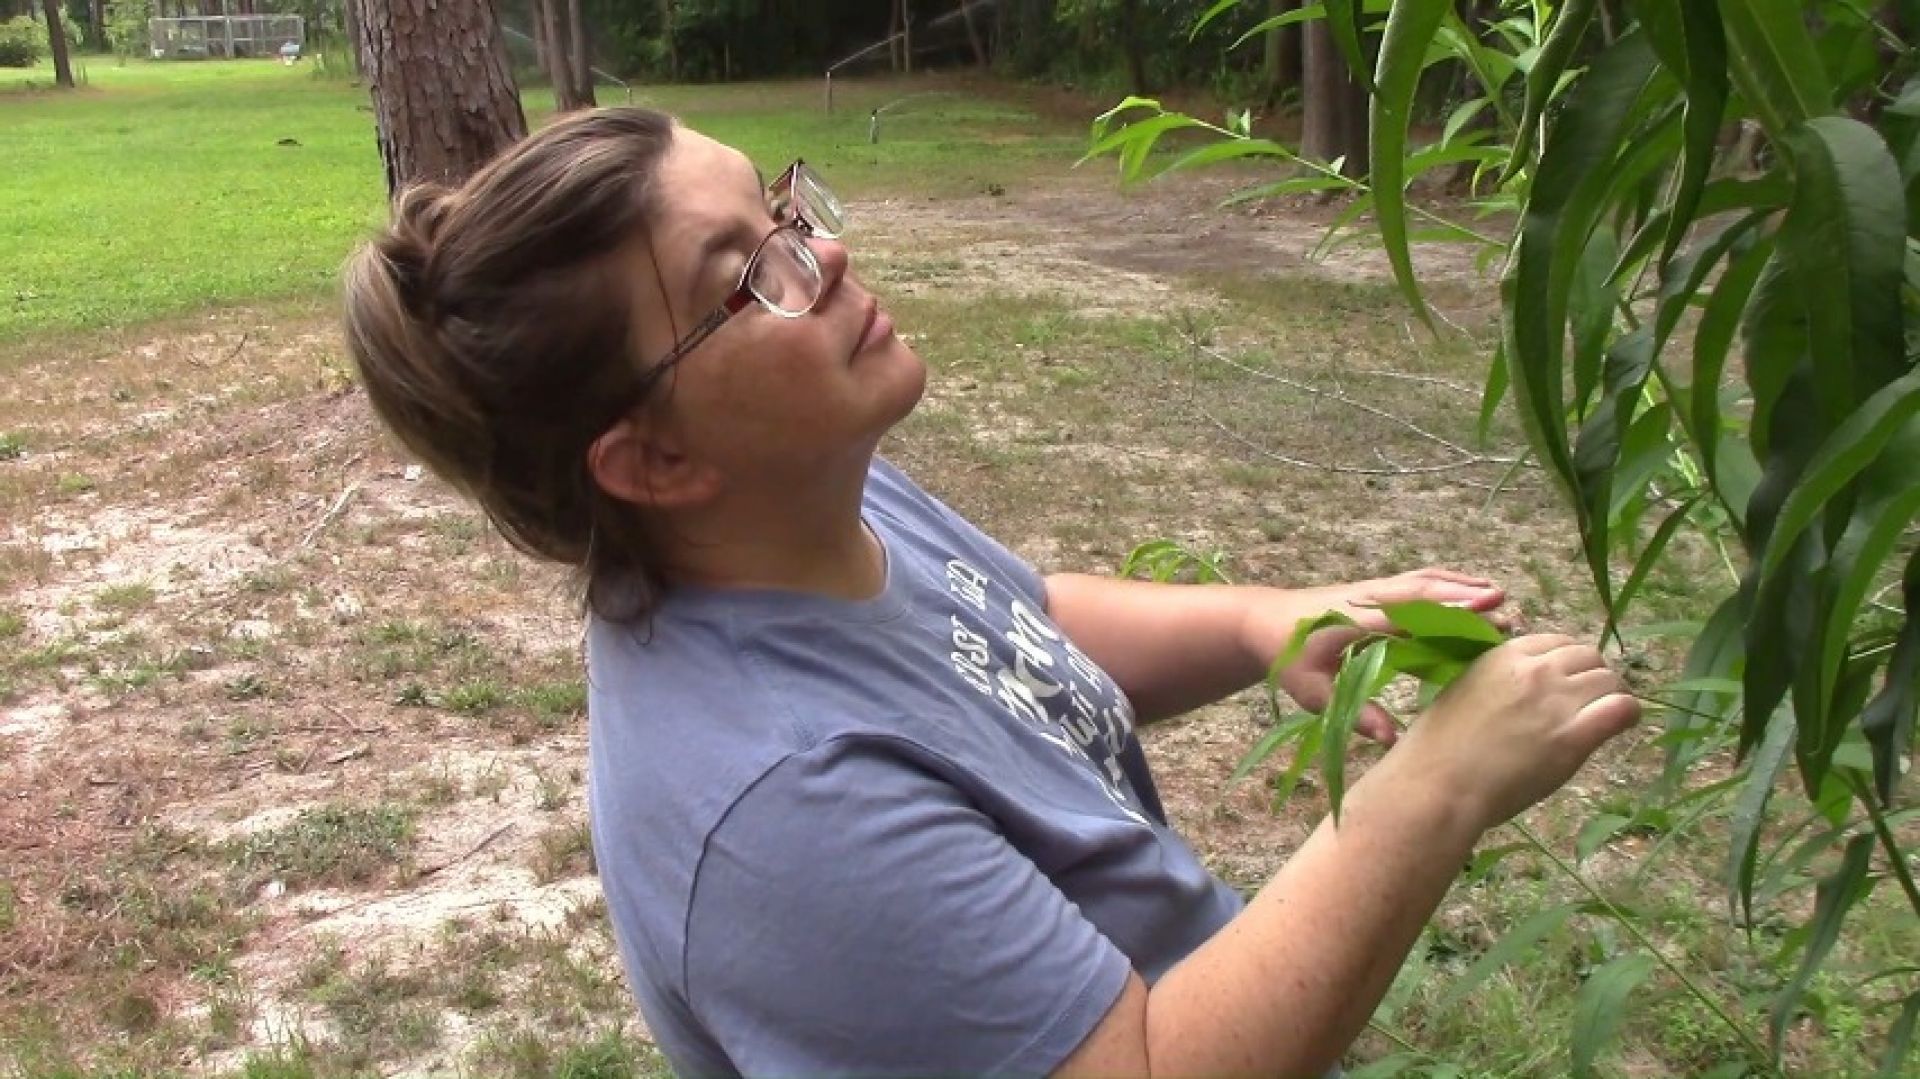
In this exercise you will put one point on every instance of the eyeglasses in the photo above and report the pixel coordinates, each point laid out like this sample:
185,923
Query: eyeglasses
783,274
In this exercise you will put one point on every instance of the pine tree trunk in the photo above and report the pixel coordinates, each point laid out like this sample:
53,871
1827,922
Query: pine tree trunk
57,41
350,26
443,97
1131,45
1334,124
666,34
582,54
539,37
893,35
566,89
973,35
1282,66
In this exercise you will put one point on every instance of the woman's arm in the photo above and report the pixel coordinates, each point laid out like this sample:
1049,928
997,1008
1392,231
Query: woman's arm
1173,648
1287,985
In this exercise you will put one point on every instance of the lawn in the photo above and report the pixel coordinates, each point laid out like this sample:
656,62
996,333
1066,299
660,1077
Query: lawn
160,189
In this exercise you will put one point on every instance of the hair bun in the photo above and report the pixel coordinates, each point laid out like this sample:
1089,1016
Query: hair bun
412,238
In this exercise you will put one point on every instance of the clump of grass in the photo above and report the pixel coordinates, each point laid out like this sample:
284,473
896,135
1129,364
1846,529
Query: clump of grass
565,851
475,697
73,483
131,596
334,844
246,687
13,445
12,623
378,1013
556,701
526,1053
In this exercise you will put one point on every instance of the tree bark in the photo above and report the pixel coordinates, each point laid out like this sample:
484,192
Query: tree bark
1130,45
1282,53
566,88
666,34
444,102
539,36
57,41
973,35
1334,124
894,32
582,55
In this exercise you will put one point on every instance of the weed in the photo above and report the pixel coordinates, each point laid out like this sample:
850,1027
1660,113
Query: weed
378,1013
565,851
74,483
475,697
132,596
550,793
335,844
12,624
246,687
13,445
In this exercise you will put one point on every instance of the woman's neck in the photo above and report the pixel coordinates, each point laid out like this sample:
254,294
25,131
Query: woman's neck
795,538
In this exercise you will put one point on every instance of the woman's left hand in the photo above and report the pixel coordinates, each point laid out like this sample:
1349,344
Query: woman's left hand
1309,679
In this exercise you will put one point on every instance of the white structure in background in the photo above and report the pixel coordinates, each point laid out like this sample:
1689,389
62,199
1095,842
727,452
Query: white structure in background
224,37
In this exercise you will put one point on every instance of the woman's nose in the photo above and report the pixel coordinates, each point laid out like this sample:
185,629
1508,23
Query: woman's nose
833,258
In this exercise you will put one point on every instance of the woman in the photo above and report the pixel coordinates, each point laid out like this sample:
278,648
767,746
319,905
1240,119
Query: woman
865,791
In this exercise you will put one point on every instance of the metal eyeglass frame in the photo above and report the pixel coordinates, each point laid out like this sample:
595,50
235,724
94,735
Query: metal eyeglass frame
779,191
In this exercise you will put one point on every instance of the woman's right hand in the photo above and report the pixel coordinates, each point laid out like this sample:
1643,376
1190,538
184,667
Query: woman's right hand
1518,724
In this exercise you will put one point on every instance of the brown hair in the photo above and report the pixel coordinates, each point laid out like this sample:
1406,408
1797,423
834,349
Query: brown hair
493,330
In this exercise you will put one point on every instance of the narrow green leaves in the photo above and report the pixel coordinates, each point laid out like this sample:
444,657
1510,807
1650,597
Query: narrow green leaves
1565,204
1359,679
1343,19
1844,239
1900,1040
1750,810
1601,1008
1533,929
1889,717
1555,53
1403,49
1775,62
1837,894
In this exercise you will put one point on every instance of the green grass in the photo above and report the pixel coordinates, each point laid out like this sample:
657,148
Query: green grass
161,189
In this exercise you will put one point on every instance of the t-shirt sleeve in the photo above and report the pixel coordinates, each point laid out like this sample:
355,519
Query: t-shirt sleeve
855,914
901,494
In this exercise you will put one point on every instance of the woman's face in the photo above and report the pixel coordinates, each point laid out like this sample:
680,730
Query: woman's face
763,397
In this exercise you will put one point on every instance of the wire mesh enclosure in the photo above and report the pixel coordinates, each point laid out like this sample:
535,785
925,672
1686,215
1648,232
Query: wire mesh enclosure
225,37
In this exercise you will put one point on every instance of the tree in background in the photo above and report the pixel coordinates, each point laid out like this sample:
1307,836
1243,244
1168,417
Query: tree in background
444,100
57,42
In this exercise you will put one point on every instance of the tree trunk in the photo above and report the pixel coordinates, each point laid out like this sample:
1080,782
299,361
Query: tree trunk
566,89
582,54
539,37
443,97
893,34
1131,45
57,41
1335,121
906,35
97,32
1282,67
666,35
350,26
973,35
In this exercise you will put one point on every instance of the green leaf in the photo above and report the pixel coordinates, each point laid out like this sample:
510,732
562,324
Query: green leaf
1649,557
1358,680
1531,930
1403,49
1343,19
1900,1040
1595,833
1310,184
1283,732
1459,118
1844,239
1218,9
1228,150
1544,76
1750,812
1600,1008
1429,660
1848,885
1301,631
1714,336
1888,719
1309,748
1423,618
1705,78
1493,392
1592,302
1565,204
1775,62
1717,651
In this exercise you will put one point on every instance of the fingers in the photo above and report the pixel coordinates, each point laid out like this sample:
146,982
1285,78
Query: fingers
1438,573
1377,724
1539,644
1606,717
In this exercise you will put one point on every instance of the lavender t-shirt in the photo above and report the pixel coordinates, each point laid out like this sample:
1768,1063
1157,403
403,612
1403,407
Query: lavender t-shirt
914,834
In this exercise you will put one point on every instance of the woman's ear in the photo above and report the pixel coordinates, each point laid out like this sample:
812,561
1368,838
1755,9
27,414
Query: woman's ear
641,462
